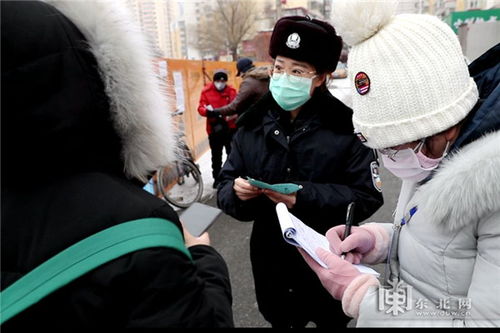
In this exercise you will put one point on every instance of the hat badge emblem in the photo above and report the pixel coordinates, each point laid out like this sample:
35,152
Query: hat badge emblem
293,41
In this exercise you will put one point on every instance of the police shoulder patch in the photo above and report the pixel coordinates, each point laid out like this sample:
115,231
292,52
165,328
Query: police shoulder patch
361,137
377,181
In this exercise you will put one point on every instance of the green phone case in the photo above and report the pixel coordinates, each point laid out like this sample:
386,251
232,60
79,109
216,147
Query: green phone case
284,188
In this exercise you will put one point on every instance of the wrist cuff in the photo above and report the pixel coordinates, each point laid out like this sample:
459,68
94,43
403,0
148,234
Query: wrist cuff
379,252
354,293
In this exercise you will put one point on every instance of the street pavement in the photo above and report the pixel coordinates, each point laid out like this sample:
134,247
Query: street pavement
231,238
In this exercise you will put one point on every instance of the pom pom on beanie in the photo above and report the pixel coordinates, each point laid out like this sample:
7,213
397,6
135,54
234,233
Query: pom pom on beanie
357,21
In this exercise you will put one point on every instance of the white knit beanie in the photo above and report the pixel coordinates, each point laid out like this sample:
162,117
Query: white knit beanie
409,77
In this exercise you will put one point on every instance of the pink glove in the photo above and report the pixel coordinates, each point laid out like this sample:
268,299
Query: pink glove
368,243
341,279
337,277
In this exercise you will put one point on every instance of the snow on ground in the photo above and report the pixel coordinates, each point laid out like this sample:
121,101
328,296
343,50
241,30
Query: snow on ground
205,164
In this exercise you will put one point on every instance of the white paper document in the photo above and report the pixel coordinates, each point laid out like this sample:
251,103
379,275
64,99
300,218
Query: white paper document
299,234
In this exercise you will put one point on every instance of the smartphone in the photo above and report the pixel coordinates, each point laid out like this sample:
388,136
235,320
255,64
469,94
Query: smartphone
198,217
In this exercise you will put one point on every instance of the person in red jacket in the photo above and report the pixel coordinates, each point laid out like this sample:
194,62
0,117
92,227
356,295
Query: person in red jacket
220,128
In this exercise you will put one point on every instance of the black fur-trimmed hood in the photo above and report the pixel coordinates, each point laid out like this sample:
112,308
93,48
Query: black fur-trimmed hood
79,91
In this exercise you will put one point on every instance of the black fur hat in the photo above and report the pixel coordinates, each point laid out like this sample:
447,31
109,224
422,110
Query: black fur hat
305,39
220,75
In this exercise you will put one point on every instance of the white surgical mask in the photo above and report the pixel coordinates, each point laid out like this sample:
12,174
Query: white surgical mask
220,85
412,164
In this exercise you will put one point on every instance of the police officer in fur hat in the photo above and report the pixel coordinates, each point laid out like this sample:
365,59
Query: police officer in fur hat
297,133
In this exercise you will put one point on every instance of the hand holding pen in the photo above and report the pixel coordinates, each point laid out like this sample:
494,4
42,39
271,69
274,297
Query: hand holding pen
351,242
348,223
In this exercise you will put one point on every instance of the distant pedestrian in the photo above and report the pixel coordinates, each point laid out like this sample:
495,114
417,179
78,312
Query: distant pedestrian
255,84
220,128
341,71
84,125
436,124
298,133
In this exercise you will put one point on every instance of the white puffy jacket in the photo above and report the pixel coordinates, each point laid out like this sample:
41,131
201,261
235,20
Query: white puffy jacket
449,251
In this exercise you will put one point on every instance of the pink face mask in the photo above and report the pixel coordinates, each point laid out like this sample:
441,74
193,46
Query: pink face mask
412,164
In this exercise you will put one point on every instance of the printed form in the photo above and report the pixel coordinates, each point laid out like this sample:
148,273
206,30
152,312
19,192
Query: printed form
299,234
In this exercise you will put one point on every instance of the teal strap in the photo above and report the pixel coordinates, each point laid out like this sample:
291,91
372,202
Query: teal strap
86,255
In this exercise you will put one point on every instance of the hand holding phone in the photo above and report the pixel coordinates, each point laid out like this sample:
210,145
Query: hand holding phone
244,190
190,240
198,217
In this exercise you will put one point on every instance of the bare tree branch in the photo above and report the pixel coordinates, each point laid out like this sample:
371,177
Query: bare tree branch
226,26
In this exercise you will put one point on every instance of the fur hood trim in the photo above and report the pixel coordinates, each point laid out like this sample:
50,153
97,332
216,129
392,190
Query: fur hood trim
140,110
467,186
259,73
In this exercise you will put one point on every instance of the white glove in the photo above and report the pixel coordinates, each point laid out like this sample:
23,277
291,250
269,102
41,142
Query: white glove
209,107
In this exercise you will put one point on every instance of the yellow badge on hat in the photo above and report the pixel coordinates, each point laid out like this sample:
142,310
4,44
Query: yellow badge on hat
293,41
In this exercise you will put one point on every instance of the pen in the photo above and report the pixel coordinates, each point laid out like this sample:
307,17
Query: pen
348,222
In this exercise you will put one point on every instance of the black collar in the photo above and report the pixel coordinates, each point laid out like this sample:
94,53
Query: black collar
327,110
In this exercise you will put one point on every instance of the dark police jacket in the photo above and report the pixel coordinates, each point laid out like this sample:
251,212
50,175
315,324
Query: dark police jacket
318,151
